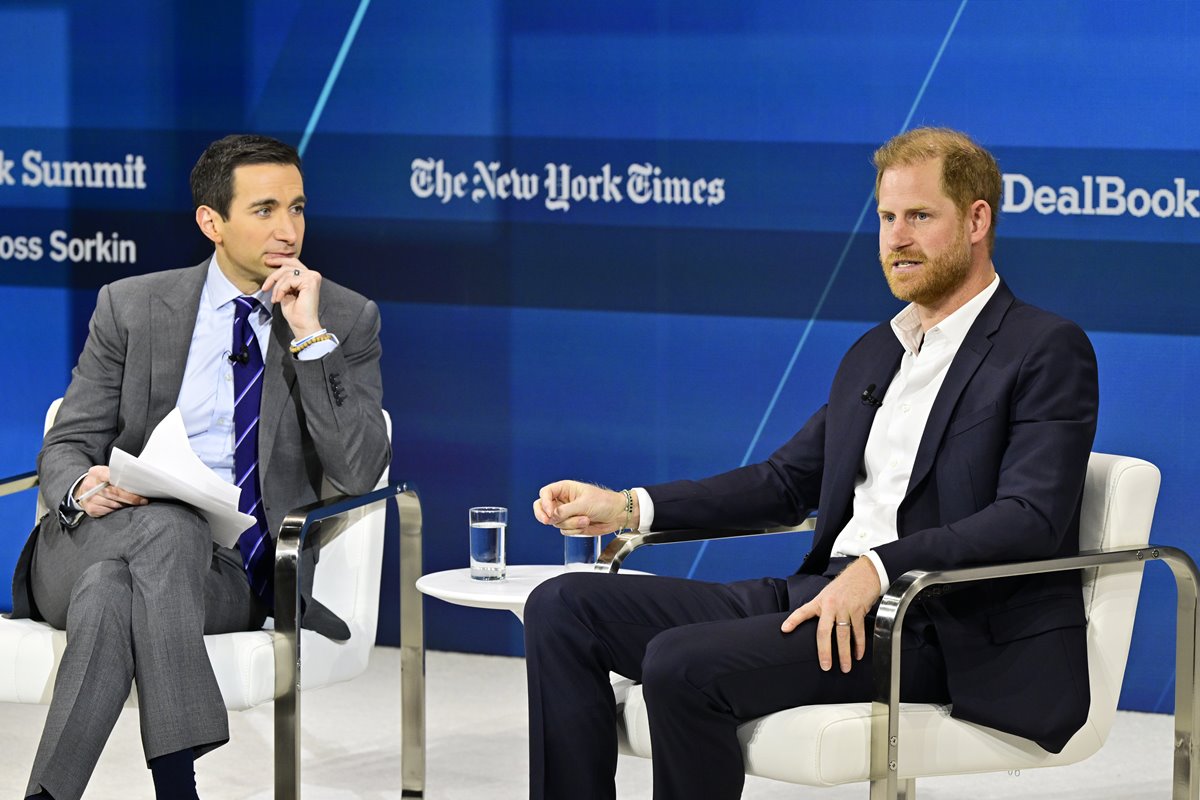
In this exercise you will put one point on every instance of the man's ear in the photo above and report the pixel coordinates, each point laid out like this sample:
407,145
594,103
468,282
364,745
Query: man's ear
980,215
209,222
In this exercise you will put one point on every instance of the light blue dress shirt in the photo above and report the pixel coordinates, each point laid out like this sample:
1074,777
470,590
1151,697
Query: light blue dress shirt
206,395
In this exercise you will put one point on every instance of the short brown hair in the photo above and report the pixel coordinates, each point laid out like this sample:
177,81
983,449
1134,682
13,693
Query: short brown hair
212,177
969,172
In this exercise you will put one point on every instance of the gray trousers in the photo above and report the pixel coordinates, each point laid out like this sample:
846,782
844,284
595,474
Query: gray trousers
135,590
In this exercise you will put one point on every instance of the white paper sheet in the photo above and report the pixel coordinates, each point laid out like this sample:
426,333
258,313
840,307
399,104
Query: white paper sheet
169,469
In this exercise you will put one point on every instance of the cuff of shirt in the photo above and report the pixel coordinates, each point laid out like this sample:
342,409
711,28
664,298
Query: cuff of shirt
70,501
70,513
645,510
874,558
317,349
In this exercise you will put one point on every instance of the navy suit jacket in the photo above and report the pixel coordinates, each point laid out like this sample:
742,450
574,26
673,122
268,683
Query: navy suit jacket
998,476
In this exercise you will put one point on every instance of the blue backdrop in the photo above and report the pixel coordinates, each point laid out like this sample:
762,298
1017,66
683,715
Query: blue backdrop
624,243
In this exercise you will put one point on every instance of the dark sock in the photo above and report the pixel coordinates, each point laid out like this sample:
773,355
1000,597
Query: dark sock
42,795
175,775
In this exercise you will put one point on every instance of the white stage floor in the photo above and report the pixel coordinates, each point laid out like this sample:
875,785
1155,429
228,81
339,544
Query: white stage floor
352,748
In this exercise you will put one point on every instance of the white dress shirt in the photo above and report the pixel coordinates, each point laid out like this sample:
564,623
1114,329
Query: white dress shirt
895,432
899,425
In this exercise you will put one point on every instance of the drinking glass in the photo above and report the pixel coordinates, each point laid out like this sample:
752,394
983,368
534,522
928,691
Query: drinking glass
488,525
580,552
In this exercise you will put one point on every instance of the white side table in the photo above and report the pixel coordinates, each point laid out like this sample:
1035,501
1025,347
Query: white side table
456,586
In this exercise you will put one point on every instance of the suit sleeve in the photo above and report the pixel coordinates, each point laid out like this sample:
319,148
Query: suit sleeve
778,491
342,397
86,423
1039,471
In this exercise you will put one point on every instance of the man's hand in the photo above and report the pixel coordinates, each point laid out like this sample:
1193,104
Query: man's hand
582,508
847,599
297,290
108,499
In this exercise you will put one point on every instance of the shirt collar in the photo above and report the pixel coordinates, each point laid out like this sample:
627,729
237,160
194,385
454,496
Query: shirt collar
907,324
221,291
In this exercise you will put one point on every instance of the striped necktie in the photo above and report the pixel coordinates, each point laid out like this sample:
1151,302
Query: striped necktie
255,544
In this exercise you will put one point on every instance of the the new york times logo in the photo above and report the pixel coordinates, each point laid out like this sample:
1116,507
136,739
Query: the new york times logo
1099,195
561,185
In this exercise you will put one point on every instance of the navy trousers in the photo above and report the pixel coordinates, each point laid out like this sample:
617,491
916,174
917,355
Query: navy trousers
709,657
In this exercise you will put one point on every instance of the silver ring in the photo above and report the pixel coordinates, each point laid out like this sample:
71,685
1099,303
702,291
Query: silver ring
296,272
841,624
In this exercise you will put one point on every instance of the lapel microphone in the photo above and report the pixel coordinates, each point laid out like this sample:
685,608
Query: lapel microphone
868,397
243,358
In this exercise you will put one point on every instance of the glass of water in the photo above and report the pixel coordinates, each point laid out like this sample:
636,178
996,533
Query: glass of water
580,552
488,524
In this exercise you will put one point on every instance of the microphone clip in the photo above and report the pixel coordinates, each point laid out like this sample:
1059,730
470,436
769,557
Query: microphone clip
868,397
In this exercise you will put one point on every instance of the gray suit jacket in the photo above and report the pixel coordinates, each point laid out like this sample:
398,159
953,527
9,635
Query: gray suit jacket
320,419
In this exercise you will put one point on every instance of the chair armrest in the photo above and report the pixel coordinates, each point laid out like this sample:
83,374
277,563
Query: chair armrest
626,542
18,483
885,661
313,525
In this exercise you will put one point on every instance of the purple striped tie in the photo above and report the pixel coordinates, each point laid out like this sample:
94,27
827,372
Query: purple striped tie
255,544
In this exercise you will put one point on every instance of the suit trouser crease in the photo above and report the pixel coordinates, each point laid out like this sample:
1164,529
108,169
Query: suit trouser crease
709,656
136,591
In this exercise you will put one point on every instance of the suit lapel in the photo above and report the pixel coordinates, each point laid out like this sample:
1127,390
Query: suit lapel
278,382
172,322
966,362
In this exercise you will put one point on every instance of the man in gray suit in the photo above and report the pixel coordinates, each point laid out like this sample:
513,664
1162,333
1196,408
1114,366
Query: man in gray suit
136,584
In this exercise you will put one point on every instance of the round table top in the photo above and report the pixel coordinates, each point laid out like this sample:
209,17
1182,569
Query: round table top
458,587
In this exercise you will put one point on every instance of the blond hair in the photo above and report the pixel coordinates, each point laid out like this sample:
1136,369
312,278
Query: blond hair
969,172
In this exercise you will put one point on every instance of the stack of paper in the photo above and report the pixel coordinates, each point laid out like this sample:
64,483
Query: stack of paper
169,469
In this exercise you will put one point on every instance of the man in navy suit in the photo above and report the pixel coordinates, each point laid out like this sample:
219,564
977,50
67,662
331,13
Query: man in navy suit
956,434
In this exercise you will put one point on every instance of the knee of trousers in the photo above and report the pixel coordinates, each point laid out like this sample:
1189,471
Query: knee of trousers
103,595
169,533
561,602
675,666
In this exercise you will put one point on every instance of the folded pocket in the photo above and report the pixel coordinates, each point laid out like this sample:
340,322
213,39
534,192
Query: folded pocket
970,419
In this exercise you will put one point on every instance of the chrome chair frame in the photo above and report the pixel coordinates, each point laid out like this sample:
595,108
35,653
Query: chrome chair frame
885,708
314,525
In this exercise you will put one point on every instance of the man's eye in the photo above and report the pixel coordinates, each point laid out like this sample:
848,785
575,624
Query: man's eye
263,212
297,210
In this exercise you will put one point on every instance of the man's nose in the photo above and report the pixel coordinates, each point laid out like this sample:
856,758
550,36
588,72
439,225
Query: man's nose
899,234
286,230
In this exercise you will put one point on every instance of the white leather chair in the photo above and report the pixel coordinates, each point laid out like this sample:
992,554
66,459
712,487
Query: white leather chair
256,667
891,744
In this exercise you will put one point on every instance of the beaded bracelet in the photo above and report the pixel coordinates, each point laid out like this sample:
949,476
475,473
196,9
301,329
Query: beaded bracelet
628,510
321,337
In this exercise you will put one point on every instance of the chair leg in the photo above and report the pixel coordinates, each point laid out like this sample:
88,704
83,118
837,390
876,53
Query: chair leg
1185,782
287,746
906,789
412,649
287,672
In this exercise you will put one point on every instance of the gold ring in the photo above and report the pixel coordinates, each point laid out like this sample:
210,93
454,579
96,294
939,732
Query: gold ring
841,624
